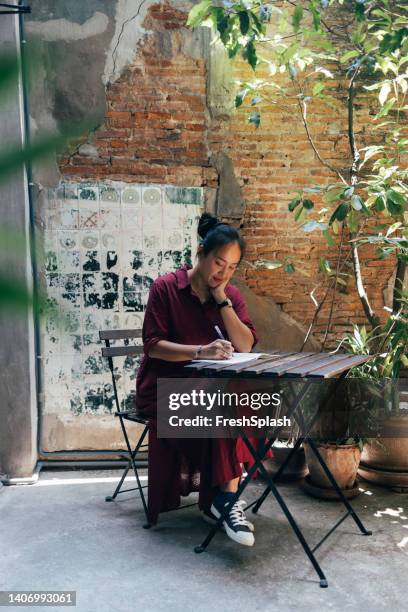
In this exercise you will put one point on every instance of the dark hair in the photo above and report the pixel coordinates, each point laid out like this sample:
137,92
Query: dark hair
215,234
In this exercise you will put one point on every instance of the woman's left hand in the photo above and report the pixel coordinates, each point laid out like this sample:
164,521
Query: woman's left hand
218,292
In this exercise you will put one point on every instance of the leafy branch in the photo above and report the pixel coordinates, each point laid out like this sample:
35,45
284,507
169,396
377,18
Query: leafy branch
368,44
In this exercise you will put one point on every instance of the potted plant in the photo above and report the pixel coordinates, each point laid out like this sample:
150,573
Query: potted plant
296,468
384,458
342,458
336,435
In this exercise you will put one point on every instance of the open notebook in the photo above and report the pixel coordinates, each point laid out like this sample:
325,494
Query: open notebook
236,358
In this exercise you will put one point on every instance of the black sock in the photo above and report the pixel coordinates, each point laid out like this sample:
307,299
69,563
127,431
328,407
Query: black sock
222,498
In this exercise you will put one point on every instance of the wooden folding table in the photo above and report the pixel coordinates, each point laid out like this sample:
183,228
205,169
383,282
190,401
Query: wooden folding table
304,368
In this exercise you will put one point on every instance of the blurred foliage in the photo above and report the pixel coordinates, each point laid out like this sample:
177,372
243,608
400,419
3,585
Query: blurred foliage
15,294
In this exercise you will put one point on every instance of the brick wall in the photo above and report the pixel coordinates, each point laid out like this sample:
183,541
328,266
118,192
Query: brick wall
155,124
158,130
271,163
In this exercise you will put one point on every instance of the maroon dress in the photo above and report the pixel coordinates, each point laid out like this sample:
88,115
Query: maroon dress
179,466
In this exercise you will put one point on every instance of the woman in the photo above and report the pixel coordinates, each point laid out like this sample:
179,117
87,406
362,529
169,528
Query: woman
182,311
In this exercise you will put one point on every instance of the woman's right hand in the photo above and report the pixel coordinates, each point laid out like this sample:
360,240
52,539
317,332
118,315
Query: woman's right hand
219,349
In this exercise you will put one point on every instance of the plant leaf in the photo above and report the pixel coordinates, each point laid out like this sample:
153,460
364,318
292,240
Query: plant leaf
328,237
396,197
293,203
348,56
379,204
300,214
394,203
239,98
308,204
243,22
340,213
297,17
255,119
356,202
250,54
310,226
198,13
385,109
269,264
331,196
393,228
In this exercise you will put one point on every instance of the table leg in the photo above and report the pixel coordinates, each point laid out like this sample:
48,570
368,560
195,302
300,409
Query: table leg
258,503
338,490
288,514
295,405
201,547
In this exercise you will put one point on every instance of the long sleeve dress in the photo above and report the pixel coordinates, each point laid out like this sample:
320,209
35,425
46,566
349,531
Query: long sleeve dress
179,466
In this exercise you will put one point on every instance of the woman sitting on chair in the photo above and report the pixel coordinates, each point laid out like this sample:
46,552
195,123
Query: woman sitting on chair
182,311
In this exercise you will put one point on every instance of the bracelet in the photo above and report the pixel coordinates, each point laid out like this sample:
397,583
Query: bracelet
198,351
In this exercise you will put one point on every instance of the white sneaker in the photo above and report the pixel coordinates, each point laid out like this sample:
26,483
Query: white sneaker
210,518
242,503
236,524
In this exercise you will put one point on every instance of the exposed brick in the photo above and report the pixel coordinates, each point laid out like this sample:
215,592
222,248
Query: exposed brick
157,129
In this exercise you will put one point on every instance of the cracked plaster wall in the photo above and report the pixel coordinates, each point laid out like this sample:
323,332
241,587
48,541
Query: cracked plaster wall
100,56
18,402
81,49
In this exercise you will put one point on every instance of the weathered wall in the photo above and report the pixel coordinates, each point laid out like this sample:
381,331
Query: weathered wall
108,235
271,164
104,244
160,101
165,123
18,407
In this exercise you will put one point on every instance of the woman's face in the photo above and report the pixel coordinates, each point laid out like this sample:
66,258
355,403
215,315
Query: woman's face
219,265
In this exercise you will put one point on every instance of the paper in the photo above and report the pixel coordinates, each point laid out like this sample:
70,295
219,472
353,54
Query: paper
236,358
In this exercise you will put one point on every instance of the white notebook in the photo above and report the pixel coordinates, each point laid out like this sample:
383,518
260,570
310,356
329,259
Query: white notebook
236,358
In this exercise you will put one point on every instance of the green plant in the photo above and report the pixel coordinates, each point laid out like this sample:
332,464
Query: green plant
363,47
388,345
343,421
376,380
15,294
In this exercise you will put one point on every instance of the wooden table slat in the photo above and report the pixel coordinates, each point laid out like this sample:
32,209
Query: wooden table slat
289,365
316,360
305,360
332,370
285,358
322,361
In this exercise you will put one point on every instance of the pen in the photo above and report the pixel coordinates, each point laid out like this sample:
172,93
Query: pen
219,332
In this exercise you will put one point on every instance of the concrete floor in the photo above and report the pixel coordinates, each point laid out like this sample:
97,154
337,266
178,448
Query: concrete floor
61,534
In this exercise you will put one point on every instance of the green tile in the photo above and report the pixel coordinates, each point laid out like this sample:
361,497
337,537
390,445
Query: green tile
184,195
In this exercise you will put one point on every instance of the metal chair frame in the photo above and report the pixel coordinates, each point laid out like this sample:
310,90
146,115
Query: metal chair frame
110,352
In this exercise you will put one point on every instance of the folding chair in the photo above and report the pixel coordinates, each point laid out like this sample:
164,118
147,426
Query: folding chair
110,352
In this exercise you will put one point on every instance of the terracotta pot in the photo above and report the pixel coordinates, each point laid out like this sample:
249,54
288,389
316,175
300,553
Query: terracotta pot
342,461
385,461
295,470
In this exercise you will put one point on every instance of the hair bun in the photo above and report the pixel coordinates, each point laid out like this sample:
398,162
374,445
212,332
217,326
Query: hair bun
206,223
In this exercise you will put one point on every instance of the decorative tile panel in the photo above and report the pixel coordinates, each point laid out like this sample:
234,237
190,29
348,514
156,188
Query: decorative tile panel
104,244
